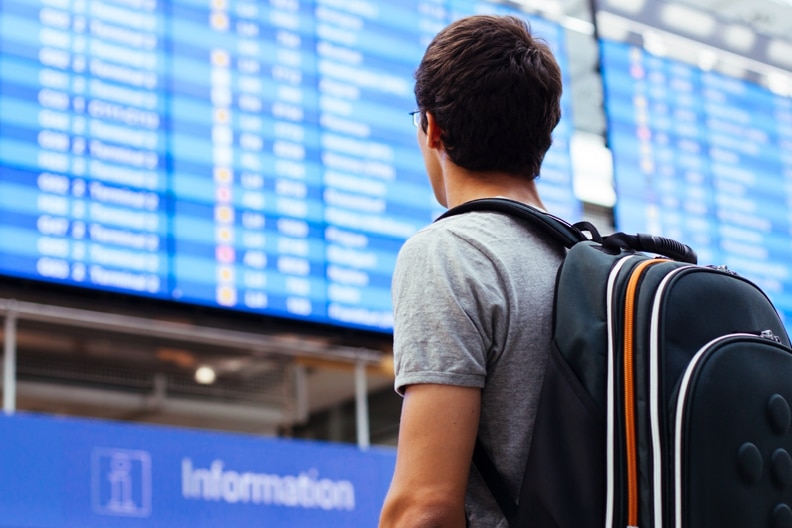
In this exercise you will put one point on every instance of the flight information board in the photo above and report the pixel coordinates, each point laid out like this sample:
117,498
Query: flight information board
250,155
703,158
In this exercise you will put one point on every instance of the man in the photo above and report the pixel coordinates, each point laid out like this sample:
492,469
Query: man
473,293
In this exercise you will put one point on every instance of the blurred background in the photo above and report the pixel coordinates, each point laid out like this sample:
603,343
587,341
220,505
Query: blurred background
201,201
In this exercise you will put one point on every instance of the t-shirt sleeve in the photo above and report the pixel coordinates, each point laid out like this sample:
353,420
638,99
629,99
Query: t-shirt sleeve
446,301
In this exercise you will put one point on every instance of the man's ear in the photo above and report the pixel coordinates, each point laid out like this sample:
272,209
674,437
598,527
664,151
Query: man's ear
433,133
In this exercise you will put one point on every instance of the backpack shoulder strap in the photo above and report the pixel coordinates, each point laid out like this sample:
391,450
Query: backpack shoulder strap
494,481
570,234
565,233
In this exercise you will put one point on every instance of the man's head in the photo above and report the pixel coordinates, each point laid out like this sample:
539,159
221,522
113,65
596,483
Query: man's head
494,91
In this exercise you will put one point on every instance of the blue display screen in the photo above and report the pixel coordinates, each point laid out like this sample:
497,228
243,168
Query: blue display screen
248,155
703,158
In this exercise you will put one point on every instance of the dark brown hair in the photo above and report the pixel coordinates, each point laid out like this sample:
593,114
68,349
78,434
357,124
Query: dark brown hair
494,91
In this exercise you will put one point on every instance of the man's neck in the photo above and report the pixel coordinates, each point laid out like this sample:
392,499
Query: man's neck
463,186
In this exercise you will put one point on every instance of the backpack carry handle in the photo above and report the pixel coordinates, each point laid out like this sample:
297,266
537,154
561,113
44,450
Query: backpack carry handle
651,244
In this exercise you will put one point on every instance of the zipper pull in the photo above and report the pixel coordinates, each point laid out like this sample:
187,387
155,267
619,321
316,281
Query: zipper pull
724,268
768,334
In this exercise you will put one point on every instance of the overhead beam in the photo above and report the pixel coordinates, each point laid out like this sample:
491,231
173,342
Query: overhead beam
188,333
122,404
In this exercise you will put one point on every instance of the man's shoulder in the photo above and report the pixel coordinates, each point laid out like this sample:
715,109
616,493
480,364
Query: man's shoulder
482,229
472,225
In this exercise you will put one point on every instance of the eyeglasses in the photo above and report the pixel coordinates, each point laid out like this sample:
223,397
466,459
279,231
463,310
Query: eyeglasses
416,118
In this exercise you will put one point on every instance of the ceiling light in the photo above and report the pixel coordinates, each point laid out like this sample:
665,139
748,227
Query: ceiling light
205,375
739,37
688,20
707,59
628,6
780,51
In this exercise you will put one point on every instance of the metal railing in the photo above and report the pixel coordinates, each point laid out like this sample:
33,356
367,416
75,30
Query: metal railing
13,310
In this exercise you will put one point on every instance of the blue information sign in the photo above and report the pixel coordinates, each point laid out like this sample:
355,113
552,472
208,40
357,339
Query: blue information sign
71,473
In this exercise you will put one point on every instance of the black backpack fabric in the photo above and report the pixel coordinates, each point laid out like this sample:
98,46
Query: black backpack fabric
666,401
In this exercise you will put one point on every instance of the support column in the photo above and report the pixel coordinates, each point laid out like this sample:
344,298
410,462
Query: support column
9,362
361,406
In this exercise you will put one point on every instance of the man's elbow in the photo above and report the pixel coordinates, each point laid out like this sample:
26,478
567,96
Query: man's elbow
422,513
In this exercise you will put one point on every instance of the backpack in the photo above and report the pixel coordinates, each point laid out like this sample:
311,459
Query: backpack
666,399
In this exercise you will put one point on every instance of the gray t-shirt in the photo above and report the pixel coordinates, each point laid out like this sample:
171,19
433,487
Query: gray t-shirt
473,299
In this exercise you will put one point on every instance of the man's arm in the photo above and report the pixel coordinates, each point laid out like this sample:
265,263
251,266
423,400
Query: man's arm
436,438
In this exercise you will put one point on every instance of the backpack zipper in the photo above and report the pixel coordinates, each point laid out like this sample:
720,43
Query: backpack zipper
629,390
679,418
768,334
613,341
655,403
654,393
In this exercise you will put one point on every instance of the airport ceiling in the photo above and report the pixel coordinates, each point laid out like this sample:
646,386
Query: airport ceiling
768,17
759,29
